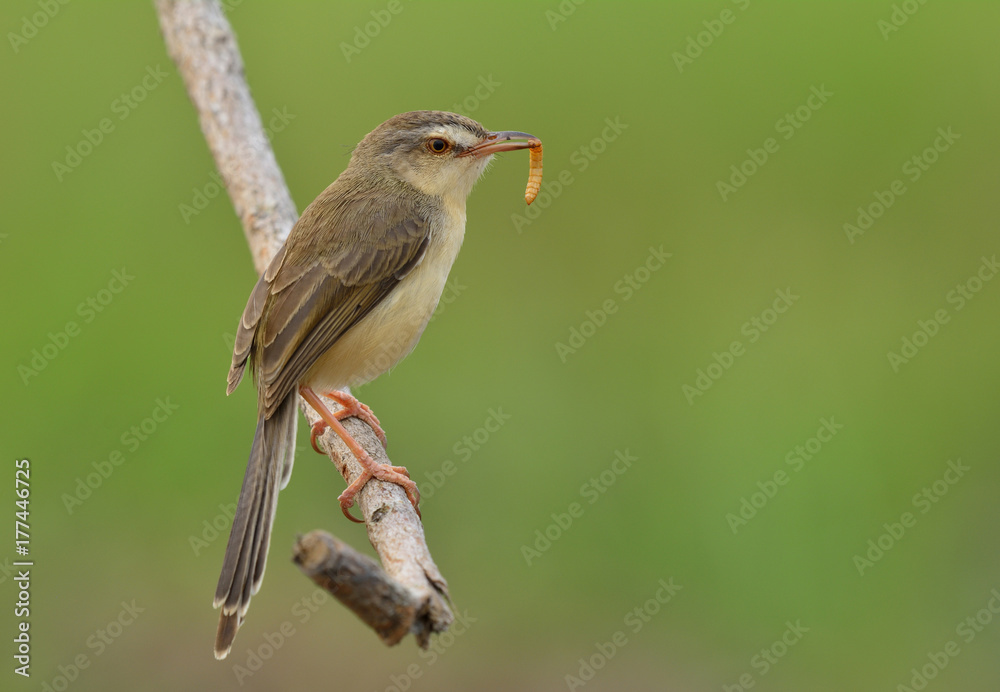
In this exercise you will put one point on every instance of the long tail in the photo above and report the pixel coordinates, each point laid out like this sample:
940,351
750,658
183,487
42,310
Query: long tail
268,470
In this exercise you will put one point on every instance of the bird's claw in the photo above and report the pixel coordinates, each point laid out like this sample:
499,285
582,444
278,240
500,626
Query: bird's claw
390,474
350,407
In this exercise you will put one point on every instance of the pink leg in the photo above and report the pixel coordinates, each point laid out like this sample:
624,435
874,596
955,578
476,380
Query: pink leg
382,472
351,407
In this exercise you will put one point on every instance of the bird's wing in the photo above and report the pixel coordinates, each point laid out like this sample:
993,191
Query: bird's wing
313,293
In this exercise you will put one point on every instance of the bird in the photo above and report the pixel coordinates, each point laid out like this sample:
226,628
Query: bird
344,299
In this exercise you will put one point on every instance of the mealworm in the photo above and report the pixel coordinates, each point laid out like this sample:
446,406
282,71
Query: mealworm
534,170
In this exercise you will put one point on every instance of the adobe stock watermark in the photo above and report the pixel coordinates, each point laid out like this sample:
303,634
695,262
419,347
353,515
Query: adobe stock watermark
102,639
452,290
696,45
787,126
437,648
764,661
625,287
922,501
635,620
212,529
131,439
203,195
797,458
561,13
122,106
363,34
913,170
464,450
901,13
31,25
485,88
87,311
753,329
592,491
581,159
957,298
974,625
256,655
967,629
22,608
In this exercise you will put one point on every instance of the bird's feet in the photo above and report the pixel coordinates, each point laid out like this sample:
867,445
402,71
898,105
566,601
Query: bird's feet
351,407
370,468
383,472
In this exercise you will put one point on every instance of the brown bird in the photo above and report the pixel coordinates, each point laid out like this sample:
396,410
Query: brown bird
345,299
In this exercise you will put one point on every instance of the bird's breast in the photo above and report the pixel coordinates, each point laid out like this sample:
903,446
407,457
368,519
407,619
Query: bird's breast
392,329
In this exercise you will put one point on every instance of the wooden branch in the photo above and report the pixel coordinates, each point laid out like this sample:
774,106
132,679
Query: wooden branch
201,43
361,585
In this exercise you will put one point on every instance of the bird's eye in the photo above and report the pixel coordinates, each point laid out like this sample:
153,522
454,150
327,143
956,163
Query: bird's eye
438,145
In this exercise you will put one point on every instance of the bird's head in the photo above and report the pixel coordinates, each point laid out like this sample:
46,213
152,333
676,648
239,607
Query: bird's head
438,153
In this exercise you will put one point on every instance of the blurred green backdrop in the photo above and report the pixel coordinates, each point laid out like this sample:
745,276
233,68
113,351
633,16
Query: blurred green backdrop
779,585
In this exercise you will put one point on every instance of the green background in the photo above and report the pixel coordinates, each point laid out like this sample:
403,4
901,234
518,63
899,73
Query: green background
494,346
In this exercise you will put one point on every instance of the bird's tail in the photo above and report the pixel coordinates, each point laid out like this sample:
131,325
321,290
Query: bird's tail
268,470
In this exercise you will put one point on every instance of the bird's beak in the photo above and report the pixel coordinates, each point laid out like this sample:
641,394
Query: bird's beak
495,142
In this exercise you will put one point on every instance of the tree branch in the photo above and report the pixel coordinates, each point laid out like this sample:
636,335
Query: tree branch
201,42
